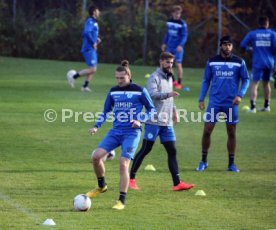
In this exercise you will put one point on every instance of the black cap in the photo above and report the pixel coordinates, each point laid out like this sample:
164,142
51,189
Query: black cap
225,39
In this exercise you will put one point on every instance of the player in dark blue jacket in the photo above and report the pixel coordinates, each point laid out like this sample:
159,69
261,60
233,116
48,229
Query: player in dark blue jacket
126,100
274,73
262,43
174,41
90,41
223,74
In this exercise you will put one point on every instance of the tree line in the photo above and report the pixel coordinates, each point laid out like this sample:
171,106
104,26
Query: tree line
51,29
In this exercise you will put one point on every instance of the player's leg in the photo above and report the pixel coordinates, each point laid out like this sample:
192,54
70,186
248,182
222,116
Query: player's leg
210,118
231,147
139,157
253,96
91,60
109,143
172,161
124,181
256,77
205,144
267,95
267,90
178,185
206,136
97,161
138,160
179,68
231,142
151,132
99,169
130,142
167,138
175,81
232,119
89,76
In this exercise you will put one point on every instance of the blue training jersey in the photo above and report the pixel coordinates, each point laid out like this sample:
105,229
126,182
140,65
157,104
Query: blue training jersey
127,104
224,75
176,33
263,42
90,34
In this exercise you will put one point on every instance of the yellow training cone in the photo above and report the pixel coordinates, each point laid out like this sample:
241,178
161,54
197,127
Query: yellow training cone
245,107
200,193
150,168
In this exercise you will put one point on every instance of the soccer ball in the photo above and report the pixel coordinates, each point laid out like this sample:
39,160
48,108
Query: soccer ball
82,203
110,156
71,73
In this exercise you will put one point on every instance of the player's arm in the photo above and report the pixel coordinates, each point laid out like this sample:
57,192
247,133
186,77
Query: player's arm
152,87
148,104
244,83
201,105
175,117
205,86
246,43
89,32
183,35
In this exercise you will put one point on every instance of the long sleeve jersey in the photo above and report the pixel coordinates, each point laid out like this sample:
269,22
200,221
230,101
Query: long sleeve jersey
224,75
176,33
127,104
90,34
159,86
263,42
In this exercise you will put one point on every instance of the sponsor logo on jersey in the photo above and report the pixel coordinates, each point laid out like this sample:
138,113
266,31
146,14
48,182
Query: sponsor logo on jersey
150,135
129,95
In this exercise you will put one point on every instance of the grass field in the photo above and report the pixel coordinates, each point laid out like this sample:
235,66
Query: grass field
45,164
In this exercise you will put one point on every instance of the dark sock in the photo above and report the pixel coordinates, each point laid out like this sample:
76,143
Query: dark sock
231,159
253,104
122,197
85,84
101,182
179,81
76,76
204,156
266,103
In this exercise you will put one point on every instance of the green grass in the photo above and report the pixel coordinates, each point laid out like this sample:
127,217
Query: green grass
44,165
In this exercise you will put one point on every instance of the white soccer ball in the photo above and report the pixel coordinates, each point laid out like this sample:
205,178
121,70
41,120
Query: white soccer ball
82,203
71,73
111,155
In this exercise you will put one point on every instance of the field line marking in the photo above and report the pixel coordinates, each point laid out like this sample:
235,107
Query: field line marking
18,207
